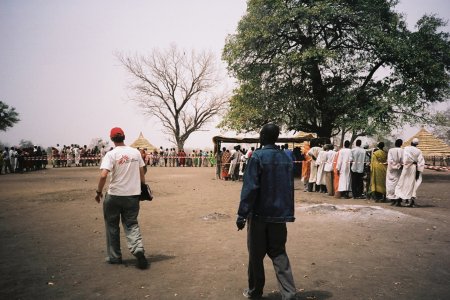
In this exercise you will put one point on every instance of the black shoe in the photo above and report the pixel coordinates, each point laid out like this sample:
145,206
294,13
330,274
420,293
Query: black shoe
142,262
412,204
248,295
113,261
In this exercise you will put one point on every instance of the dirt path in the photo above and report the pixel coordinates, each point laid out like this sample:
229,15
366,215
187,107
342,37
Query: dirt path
53,244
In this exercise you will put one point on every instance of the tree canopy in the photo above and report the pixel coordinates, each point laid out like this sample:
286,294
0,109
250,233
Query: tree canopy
8,116
330,66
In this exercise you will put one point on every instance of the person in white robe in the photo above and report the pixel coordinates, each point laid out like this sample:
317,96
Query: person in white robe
320,163
343,167
77,155
411,177
394,170
313,153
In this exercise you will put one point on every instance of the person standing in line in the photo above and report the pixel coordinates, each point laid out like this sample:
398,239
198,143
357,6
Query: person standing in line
313,153
234,160
288,152
122,199
343,167
182,158
320,163
143,155
297,161
166,156
306,165
219,164
357,170
225,164
337,194
378,166
172,155
394,170
69,155
194,158
77,155
411,177
13,159
7,161
366,178
212,158
328,169
267,203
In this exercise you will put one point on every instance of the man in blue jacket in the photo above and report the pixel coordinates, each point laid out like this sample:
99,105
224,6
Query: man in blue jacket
267,203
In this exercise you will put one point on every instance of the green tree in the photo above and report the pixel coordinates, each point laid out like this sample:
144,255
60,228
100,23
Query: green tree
334,66
8,116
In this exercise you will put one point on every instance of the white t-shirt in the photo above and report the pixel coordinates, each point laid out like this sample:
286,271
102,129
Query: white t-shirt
123,162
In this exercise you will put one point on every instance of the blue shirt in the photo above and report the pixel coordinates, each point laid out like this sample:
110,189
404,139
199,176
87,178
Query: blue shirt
268,190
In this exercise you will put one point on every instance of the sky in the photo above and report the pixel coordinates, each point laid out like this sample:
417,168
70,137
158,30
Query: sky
59,70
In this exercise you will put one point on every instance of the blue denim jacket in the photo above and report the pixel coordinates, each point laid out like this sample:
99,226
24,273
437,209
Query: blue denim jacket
268,190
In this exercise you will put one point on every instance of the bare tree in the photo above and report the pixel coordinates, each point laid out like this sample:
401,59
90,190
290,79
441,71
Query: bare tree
182,91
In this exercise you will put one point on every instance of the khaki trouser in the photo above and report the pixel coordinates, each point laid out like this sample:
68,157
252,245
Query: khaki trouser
329,183
127,209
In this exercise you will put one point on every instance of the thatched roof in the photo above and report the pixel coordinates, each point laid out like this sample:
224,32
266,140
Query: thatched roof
302,134
142,143
429,144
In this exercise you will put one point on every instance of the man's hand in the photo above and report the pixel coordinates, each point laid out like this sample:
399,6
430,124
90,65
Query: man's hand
240,223
98,197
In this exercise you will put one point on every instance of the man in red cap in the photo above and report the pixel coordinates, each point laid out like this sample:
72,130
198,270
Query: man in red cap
122,199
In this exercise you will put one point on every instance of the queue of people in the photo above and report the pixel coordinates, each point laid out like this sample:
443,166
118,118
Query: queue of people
74,155
18,160
233,162
360,173
173,158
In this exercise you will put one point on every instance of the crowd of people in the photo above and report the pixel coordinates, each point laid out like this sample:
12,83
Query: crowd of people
351,172
363,173
357,172
18,160
74,155
233,163
173,158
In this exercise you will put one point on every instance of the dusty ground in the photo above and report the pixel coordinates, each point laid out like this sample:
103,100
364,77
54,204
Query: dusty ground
53,244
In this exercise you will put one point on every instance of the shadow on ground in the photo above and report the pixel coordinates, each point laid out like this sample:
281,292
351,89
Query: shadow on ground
305,295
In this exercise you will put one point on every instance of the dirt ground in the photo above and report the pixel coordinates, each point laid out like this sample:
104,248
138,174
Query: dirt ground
53,242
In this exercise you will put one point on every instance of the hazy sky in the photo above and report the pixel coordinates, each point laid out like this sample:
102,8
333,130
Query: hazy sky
58,69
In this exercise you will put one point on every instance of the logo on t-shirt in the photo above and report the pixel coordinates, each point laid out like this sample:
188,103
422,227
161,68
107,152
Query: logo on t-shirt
123,160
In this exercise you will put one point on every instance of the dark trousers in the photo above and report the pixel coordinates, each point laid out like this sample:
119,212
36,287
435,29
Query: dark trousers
268,238
357,184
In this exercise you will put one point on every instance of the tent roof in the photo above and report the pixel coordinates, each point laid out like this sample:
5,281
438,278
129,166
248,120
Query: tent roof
429,144
142,143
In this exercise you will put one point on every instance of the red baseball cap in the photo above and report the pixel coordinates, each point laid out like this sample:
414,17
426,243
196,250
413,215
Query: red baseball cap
117,131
